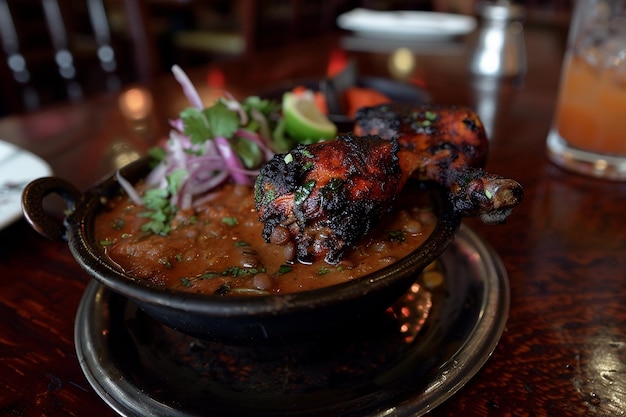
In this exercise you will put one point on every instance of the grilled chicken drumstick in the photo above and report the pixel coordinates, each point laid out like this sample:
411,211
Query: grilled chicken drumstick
327,195
447,145
324,197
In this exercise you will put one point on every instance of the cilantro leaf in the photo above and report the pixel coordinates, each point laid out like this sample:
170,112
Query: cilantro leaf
282,142
175,180
196,125
265,106
248,151
230,221
160,210
157,153
221,120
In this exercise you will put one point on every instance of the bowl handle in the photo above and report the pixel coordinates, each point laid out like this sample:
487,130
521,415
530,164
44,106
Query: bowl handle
34,212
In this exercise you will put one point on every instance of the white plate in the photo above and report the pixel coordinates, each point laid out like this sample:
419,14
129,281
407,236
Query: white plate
405,24
17,168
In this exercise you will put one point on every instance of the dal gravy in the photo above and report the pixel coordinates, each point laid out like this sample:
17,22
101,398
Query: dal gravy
218,248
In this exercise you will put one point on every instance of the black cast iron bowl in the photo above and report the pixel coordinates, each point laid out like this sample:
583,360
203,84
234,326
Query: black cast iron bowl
231,319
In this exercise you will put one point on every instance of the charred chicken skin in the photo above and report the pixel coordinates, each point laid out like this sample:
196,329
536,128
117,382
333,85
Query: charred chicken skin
322,198
326,196
447,145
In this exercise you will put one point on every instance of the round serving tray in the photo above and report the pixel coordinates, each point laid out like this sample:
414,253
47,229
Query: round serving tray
405,362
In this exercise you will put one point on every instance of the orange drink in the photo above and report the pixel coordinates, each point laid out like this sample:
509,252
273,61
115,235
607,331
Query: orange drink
588,134
591,110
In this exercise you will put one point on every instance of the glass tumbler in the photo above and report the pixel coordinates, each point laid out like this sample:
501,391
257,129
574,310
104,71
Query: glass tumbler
588,135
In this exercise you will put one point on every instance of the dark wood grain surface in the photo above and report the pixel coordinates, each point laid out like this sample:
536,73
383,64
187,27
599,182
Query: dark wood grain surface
563,352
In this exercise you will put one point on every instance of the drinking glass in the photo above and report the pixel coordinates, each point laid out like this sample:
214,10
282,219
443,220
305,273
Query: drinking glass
588,135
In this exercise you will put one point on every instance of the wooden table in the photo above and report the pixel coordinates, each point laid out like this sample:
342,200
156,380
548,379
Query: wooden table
563,352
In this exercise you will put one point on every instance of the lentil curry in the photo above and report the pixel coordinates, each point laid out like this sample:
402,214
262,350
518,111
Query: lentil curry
217,247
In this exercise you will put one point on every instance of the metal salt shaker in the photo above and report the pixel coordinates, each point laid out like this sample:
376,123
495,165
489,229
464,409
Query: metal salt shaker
500,49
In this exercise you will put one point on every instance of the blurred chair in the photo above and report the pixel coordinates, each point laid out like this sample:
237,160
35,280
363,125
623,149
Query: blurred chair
57,51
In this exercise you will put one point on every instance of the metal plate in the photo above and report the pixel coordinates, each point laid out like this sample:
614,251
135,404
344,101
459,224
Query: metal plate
405,362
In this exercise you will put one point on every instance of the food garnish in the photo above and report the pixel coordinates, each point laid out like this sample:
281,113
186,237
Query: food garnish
303,118
228,140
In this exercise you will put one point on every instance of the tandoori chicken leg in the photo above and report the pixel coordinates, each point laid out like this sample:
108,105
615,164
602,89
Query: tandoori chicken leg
447,145
325,197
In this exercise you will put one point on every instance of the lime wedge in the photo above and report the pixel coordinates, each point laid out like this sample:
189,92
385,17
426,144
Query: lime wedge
303,120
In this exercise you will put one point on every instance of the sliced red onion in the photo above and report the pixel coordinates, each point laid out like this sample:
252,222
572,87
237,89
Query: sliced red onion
130,190
177,155
156,177
201,187
204,199
236,106
233,163
177,124
182,199
250,173
188,88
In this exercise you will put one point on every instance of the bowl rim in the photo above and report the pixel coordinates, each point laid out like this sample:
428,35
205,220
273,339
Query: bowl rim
84,248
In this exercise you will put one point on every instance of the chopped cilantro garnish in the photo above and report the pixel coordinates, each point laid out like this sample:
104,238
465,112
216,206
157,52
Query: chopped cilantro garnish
424,120
248,151
165,262
222,121
333,185
214,121
159,211
396,235
265,106
118,223
186,282
305,152
303,191
175,180
157,201
236,271
432,116
284,269
196,125
266,197
230,221
157,153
